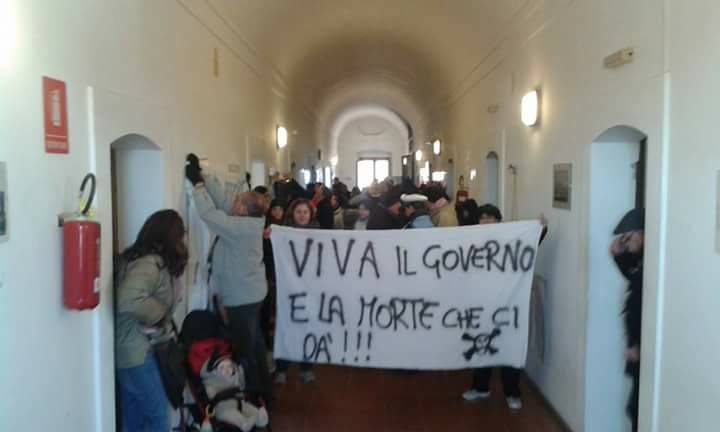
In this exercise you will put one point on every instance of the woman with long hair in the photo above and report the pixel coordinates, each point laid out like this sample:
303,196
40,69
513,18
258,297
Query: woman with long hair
300,214
145,300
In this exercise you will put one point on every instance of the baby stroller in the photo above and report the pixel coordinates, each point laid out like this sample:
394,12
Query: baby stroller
203,336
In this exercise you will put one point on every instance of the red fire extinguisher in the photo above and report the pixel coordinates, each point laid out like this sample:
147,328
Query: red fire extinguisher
81,256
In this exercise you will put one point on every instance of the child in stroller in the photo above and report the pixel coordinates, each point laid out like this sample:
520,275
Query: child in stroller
215,380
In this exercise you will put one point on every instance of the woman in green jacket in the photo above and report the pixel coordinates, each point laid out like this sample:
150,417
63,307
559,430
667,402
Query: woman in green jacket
145,300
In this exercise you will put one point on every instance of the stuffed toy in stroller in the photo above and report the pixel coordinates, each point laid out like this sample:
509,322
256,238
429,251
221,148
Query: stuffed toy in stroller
224,382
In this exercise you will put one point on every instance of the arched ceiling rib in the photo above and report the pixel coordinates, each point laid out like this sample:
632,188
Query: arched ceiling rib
409,55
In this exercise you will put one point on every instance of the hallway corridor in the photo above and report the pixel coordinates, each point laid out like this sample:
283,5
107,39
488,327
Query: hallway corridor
365,117
354,400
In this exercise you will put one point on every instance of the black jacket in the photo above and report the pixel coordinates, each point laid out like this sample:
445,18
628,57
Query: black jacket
381,219
631,267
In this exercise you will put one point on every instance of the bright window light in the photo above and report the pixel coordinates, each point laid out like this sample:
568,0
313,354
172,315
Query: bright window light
328,176
425,172
281,136
334,160
529,108
436,146
369,170
473,174
8,32
439,176
418,155
382,169
306,176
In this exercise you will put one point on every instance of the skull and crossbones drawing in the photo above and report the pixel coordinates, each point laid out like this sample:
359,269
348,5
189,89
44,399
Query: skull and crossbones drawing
481,344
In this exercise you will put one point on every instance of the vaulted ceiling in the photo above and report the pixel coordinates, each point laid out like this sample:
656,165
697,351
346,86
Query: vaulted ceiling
411,56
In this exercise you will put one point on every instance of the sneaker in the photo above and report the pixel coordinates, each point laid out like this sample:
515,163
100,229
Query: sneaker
280,378
474,395
307,377
514,403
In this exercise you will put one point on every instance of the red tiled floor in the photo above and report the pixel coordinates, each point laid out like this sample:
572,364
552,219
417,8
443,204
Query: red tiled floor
358,400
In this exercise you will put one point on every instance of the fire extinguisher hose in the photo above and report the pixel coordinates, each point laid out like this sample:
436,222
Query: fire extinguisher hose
90,177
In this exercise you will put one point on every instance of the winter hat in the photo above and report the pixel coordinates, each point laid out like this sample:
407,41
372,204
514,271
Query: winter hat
413,198
634,220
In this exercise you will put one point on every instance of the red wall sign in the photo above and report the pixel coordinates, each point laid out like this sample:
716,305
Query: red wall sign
55,107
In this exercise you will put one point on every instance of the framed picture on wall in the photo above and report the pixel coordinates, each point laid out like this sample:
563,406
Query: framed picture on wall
562,186
3,203
717,214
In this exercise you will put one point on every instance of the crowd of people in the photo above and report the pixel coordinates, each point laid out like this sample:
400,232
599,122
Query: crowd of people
243,273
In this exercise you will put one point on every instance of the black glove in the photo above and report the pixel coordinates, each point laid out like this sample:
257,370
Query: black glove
192,169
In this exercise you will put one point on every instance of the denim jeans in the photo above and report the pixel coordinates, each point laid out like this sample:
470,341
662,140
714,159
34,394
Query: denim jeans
143,402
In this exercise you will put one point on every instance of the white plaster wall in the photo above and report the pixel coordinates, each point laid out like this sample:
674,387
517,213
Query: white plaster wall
130,67
580,99
688,396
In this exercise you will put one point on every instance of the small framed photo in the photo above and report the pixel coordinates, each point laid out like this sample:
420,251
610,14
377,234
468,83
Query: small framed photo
562,186
717,214
3,203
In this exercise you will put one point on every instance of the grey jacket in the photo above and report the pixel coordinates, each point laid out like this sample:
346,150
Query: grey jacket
145,297
238,271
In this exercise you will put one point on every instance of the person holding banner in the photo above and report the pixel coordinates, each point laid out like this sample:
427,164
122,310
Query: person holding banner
238,268
275,216
301,214
480,389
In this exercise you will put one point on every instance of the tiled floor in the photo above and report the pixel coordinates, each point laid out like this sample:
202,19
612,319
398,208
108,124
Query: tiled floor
354,400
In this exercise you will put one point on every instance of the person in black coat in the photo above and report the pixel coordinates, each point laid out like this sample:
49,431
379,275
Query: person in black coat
466,209
480,389
388,213
274,216
627,250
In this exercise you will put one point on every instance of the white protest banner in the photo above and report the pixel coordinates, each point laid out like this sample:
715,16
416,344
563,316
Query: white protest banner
443,298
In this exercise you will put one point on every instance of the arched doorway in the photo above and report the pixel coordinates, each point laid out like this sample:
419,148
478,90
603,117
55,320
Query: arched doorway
617,184
137,173
492,178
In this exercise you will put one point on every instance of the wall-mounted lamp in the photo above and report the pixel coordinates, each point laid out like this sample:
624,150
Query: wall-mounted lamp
436,146
529,108
418,155
334,160
473,174
281,136
404,160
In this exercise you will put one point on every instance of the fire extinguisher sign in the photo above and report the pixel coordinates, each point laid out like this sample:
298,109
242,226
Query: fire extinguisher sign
56,119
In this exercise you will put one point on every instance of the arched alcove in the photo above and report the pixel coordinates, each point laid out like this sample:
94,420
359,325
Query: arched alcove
492,179
138,186
616,186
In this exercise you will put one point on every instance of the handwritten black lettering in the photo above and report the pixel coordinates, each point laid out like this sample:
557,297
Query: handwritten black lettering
342,268
294,307
369,256
300,268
